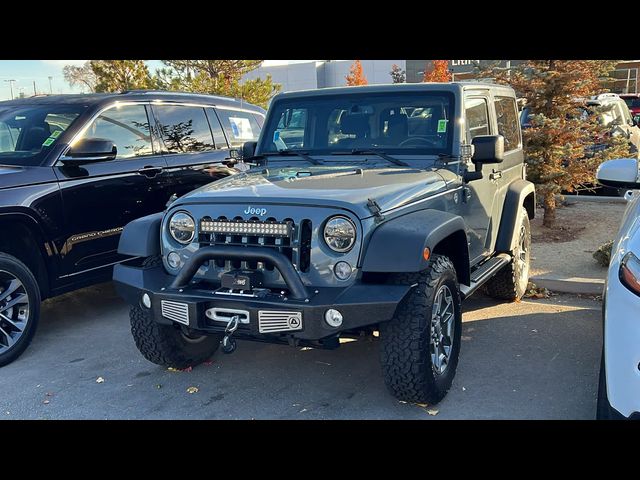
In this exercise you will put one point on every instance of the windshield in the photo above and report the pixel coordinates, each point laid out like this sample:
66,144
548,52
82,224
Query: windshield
27,133
632,102
395,123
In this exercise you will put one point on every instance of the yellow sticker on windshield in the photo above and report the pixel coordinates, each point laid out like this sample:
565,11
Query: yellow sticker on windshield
442,125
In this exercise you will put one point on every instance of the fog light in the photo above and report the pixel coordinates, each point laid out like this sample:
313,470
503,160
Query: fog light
342,270
146,300
173,259
333,318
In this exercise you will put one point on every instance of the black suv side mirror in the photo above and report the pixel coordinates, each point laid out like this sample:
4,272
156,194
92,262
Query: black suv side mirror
90,150
488,149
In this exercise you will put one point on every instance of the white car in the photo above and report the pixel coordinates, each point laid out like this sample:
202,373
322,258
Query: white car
619,388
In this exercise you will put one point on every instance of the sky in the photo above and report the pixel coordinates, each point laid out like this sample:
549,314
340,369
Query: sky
26,72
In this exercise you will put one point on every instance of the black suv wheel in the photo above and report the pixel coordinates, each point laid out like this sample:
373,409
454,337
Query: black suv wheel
19,308
421,344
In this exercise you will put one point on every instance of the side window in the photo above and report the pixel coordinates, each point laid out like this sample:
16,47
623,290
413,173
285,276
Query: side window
183,129
239,126
216,128
260,119
507,117
127,126
477,116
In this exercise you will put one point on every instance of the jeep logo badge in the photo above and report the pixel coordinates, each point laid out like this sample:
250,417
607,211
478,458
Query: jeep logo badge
255,211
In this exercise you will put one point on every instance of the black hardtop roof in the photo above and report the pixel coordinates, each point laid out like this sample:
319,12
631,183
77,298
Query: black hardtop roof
98,99
453,87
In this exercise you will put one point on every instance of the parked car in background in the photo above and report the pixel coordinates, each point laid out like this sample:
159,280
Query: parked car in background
633,102
74,169
619,385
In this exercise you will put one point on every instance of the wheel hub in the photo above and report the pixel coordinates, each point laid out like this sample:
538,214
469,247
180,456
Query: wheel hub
442,329
14,310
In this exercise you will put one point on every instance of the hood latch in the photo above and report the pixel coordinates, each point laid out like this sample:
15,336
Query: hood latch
373,206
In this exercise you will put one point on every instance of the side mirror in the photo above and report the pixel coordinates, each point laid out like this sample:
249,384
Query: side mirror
619,173
90,150
249,149
488,149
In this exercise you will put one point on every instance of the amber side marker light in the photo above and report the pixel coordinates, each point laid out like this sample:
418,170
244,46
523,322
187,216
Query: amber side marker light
630,272
426,254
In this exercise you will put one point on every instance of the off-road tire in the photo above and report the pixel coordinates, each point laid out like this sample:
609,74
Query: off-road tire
405,340
19,270
167,345
510,283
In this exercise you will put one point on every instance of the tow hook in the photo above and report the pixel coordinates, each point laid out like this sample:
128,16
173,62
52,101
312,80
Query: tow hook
229,345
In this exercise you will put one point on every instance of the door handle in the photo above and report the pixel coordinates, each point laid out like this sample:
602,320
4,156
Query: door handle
495,175
150,171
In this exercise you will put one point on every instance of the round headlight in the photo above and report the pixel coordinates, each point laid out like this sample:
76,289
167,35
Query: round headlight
182,227
340,234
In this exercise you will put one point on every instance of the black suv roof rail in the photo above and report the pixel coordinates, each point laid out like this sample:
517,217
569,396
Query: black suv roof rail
167,92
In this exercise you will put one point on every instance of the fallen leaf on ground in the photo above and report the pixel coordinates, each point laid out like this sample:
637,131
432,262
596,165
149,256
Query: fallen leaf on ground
323,363
193,390
433,412
46,402
171,369
422,405
303,410
464,389
158,386
48,394
188,369
99,380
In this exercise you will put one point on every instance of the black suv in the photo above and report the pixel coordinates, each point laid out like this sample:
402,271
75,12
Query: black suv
74,169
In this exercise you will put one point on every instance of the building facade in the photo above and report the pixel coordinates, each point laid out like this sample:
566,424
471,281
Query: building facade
332,73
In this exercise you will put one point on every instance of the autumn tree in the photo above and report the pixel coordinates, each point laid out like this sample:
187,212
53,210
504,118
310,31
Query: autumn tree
559,145
217,77
398,75
119,75
439,73
356,75
82,76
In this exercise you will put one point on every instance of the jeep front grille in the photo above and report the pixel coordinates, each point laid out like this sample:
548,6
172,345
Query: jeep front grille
291,239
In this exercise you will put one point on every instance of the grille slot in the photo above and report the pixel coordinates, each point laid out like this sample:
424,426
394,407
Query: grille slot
176,311
271,321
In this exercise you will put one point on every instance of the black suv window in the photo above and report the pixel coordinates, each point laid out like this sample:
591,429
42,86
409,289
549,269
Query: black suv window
183,129
507,118
28,132
127,126
477,116
239,126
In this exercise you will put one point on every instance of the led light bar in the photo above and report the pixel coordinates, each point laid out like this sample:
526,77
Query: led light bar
246,228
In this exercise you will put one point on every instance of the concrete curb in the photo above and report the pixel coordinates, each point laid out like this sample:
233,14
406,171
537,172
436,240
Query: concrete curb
587,198
576,285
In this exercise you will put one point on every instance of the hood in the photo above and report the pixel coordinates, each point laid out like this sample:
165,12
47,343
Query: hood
345,187
13,176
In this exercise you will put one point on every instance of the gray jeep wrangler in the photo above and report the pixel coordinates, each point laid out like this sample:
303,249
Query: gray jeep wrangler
365,208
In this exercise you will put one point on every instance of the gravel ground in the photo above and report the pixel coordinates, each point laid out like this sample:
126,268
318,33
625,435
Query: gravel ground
597,222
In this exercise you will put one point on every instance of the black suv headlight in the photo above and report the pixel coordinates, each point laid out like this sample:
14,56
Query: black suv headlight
182,227
340,234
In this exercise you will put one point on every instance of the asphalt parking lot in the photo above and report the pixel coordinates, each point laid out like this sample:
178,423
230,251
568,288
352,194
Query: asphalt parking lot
537,359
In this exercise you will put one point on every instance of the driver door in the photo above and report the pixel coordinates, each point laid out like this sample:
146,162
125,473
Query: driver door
101,198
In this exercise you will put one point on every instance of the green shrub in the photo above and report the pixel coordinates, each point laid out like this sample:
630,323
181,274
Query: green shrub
603,254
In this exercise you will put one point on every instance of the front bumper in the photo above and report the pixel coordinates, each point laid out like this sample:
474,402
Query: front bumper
622,346
360,304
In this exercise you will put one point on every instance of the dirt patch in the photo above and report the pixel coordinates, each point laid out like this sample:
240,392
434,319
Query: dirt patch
566,250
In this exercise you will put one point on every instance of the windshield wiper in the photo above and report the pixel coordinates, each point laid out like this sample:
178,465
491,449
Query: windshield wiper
297,153
382,155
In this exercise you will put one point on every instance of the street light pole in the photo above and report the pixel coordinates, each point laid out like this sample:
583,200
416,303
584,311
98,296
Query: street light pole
50,89
11,86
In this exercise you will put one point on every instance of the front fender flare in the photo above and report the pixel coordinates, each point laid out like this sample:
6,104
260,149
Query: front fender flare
141,237
397,245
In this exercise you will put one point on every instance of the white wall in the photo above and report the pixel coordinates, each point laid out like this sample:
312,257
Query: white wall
296,76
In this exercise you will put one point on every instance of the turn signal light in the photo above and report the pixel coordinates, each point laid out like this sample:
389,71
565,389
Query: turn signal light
426,254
